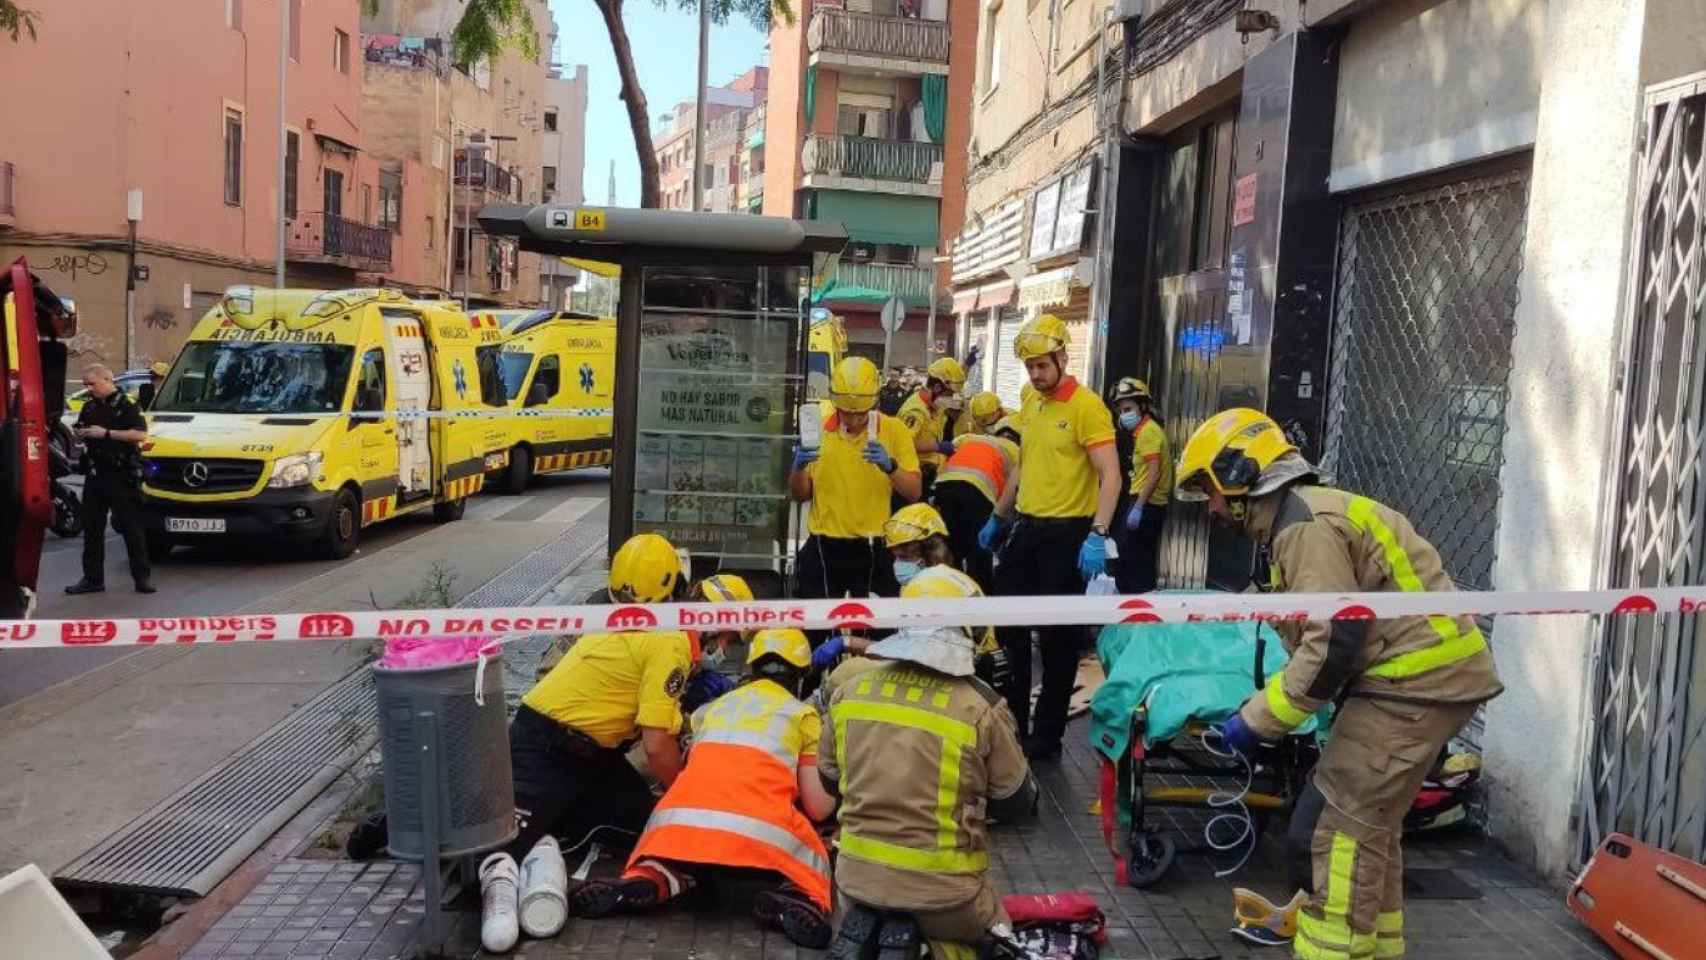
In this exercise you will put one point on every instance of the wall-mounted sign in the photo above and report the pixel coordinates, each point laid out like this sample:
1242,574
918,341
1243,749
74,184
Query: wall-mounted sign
1058,211
1244,200
1044,209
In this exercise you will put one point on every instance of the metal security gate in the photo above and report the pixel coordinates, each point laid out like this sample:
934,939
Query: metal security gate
1422,327
1646,770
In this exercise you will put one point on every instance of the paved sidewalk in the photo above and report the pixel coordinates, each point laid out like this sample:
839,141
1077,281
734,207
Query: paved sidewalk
347,911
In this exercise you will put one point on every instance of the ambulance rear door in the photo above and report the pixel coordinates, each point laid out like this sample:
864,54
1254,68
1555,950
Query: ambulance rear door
411,390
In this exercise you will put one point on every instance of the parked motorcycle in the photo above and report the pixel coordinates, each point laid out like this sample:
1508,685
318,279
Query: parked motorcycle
64,451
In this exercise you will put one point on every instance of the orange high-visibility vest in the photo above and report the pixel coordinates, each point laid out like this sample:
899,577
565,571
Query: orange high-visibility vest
983,461
736,802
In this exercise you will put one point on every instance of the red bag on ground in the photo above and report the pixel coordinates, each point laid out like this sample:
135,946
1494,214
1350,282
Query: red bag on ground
1076,911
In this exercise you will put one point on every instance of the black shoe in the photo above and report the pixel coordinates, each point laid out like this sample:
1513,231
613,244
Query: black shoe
86,586
899,939
143,586
798,918
1041,748
857,937
595,898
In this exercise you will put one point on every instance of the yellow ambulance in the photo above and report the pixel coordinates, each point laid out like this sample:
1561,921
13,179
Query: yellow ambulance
286,418
563,365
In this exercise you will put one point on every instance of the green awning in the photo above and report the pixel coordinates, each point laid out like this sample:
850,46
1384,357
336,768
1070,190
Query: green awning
879,217
836,292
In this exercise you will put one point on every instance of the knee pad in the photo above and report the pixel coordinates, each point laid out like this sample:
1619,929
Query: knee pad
899,939
856,938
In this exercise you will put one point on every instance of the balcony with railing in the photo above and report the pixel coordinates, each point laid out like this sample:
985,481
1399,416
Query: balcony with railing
315,237
869,163
8,208
487,176
847,38
912,284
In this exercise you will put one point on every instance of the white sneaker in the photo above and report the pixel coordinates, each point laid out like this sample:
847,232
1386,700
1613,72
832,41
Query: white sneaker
544,890
498,932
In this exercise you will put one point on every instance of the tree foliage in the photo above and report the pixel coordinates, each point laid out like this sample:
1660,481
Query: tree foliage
758,12
17,21
486,30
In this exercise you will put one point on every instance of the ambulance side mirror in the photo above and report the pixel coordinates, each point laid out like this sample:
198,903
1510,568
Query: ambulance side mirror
538,395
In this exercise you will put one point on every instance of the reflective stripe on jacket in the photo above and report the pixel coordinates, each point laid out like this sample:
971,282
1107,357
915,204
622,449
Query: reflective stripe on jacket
735,804
917,755
983,461
1323,540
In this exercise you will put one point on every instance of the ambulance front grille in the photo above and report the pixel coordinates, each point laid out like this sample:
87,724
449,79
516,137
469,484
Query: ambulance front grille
202,474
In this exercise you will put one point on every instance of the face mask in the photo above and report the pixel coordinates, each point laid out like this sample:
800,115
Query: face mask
943,403
1128,420
906,570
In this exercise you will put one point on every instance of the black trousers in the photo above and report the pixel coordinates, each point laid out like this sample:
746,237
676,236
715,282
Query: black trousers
566,784
1040,557
965,509
834,567
1139,566
106,492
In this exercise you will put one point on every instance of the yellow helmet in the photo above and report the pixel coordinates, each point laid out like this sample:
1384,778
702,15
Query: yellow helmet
855,385
1045,335
1131,388
725,588
913,523
949,371
984,406
786,643
644,570
941,582
1228,453
159,368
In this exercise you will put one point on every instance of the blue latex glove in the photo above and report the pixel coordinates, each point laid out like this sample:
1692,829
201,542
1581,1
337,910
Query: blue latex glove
877,455
994,531
1238,736
706,685
945,448
1093,557
1134,517
804,457
826,655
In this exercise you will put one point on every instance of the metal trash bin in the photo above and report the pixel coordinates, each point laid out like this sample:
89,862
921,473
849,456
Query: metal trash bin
469,760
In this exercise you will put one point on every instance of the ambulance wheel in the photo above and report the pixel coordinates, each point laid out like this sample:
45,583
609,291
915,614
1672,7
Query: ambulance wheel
1151,857
449,511
519,473
343,527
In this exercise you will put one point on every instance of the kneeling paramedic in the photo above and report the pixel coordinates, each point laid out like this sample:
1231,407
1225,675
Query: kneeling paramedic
570,737
1068,488
970,485
920,752
864,457
737,804
1404,686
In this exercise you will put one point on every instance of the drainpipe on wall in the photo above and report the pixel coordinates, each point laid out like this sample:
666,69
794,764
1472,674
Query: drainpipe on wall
1093,346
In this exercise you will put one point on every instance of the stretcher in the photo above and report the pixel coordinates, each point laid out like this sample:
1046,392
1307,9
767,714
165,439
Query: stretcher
1152,722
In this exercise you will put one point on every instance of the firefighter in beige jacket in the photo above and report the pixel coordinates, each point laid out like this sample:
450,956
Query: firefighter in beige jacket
1404,687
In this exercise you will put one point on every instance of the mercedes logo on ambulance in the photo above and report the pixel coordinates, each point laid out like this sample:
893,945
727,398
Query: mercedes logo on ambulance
195,474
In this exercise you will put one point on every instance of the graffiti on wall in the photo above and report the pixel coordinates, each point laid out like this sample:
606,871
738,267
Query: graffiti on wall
73,264
160,318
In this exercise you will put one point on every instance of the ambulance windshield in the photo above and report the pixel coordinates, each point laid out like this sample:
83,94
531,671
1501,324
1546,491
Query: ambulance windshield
234,377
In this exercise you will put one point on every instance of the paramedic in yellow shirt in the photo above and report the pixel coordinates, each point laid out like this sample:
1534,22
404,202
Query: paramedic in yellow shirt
863,459
1139,533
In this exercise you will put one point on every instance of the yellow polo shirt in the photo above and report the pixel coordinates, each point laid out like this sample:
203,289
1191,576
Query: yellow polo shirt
850,498
611,684
1149,457
1056,478
924,423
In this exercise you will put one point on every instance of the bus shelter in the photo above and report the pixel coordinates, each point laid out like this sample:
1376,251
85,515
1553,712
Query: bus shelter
711,346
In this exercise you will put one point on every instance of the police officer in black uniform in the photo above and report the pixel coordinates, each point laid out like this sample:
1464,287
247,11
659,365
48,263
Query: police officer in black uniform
112,429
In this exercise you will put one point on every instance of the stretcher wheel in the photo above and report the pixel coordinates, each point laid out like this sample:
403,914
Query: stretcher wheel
1151,857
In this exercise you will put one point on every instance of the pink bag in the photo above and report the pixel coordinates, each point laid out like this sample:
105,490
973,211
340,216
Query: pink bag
420,653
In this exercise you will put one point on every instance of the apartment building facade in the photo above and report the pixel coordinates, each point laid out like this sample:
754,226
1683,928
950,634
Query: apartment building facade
562,165
1442,243
729,124
195,140
867,125
477,132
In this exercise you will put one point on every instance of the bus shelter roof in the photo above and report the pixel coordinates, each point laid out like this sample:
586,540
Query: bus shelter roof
640,237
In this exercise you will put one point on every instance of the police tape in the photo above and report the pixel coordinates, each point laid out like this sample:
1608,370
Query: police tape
513,622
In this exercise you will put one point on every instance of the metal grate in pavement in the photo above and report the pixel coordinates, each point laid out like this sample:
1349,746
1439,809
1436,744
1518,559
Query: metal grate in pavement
528,578
194,838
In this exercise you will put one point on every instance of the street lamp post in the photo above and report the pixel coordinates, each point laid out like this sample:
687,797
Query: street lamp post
283,135
699,107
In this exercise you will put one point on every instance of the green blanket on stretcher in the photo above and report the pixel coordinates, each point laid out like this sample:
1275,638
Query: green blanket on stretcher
1178,672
